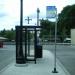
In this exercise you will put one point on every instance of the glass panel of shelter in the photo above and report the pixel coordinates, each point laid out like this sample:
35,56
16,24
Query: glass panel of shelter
28,44
28,50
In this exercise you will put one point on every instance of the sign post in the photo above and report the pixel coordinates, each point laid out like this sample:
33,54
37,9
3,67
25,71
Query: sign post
51,12
55,71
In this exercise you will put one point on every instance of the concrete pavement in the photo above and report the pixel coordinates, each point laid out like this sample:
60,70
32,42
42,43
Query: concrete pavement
44,66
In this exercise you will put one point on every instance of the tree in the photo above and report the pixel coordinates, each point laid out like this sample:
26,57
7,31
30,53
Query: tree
10,34
2,33
66,21
47,28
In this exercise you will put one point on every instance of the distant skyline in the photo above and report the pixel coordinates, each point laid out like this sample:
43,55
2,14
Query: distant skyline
10,10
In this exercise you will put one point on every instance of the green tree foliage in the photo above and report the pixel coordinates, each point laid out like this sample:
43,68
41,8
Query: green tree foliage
66,21
47,28
9,34
2,33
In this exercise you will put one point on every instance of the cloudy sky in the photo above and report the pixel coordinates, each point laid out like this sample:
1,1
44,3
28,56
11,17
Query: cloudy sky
10,10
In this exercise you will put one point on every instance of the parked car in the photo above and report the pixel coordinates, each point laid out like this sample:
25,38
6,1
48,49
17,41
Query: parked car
67,40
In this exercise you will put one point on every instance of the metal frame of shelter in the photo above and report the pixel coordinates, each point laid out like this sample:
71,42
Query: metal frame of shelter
23,43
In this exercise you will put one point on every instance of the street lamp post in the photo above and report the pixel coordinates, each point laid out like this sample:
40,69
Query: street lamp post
38,11
21,56
21,13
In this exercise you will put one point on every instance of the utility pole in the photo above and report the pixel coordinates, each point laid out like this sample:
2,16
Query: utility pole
28,19
28,36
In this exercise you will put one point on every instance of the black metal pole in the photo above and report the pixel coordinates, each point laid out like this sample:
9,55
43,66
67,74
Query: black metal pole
29,43
21,13
25,43
21,57
21,24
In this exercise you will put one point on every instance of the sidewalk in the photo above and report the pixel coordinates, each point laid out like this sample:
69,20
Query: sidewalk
44,66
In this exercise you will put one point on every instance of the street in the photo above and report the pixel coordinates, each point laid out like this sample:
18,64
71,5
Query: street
7,55
65,54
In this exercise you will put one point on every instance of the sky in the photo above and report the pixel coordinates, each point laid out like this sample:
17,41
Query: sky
10,11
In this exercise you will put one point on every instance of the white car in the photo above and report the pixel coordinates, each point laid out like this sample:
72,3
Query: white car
67,40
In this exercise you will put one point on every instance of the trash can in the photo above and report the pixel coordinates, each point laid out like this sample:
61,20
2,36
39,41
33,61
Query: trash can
38,51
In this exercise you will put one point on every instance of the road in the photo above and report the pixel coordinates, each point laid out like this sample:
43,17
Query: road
7,55
66,55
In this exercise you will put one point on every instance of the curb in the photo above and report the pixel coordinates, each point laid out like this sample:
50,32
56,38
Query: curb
61,65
